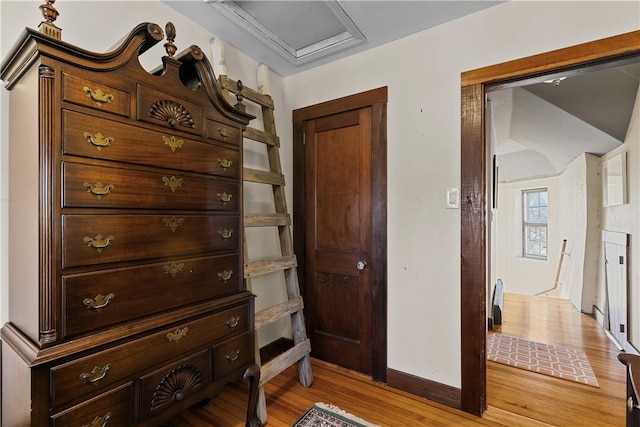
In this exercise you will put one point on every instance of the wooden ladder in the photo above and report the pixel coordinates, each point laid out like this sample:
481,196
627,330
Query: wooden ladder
285,261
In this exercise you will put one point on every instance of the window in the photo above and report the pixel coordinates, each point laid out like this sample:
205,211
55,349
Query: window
535,209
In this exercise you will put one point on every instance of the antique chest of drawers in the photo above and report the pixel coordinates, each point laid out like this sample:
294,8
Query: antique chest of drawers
127,301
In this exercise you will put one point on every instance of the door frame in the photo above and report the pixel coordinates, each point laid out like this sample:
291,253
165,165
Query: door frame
475,84
376,99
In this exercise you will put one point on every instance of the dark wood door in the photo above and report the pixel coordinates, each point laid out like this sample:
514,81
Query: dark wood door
338,237
345,308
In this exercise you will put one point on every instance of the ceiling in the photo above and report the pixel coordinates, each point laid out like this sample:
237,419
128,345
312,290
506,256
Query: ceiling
536,131
292,36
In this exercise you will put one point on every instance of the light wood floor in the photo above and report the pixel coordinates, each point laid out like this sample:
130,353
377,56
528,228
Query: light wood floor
515,397
354,393
513,392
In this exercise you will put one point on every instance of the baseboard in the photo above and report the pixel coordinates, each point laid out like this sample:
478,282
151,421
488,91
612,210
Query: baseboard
428,389
634,349
599,316
628,346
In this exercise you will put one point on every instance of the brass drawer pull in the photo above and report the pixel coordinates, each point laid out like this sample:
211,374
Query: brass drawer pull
96,374
99,302
98,189
173,223
225,164
225,234
224,132
172,182
233,322
99,421
177,335
99,242
98,96
173,269
98,140
172,142
224,197
225,275
233,356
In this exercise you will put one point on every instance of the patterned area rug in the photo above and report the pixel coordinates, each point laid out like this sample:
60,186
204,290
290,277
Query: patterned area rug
325,415
547,359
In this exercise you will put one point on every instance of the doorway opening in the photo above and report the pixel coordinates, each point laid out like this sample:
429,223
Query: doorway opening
548,141
475,179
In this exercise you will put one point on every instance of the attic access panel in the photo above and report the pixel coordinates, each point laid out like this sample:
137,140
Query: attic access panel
298,31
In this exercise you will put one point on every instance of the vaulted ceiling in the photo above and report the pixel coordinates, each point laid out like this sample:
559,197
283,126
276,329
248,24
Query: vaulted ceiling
537,130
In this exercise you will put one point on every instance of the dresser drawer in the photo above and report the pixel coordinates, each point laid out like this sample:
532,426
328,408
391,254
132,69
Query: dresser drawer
113,408
223,132
231,355
111,187
97,239
89,136
93,374
95,95
99,299
172,384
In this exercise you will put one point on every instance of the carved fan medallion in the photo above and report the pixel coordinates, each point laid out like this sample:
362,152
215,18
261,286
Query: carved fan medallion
175,385
173,113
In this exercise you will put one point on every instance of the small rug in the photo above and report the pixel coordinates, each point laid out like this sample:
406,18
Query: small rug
548,359
325,415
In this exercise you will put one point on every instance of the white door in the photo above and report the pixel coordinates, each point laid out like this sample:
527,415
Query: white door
615,254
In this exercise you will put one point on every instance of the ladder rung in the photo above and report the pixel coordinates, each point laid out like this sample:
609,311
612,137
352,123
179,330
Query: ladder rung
276,312
267,220
261,136
258,268
263,177
283,361
248,93
287,263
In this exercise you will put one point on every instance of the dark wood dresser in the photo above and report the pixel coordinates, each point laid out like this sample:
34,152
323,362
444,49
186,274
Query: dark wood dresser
632,362
127,300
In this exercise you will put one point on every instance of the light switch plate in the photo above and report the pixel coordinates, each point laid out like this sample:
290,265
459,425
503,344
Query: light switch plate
453,198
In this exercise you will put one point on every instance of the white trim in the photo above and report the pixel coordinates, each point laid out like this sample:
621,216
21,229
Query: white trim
352,36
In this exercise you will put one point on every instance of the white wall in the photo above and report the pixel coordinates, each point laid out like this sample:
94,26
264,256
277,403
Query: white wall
78,27
423,76
626,219
580,193
522,275
422,73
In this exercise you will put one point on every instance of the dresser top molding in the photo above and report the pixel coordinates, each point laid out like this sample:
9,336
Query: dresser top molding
33,44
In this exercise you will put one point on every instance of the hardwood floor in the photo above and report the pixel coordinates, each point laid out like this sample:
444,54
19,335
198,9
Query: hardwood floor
515,397
352,392
529,397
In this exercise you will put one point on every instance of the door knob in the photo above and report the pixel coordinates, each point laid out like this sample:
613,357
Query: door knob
361,265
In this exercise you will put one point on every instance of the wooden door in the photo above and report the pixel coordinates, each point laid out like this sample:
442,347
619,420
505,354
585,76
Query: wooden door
339,289
338,230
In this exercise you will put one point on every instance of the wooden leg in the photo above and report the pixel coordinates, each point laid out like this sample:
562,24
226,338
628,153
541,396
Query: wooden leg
252,374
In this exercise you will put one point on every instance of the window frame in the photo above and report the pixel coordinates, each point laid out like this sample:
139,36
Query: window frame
527,223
